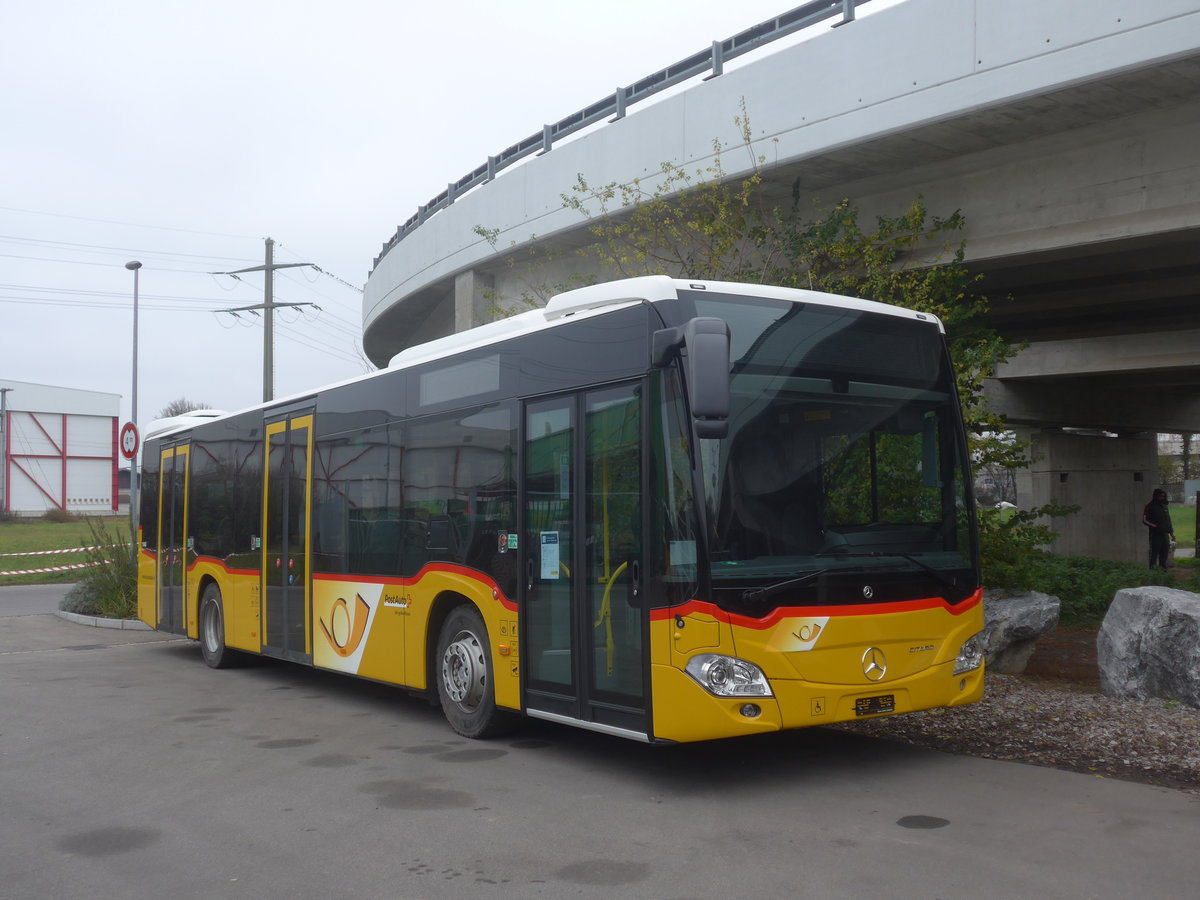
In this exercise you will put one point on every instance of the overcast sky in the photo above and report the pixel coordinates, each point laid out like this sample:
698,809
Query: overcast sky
181,133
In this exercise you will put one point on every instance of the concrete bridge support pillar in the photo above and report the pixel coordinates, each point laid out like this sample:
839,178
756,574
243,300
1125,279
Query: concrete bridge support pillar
471,304
1110,479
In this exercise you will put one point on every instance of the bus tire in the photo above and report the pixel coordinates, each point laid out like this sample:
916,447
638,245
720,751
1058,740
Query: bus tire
212,629
465,683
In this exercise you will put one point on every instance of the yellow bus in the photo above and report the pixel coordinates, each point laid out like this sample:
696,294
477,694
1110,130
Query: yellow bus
662,509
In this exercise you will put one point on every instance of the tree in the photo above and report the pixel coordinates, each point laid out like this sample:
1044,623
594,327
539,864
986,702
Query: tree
179,407
702,224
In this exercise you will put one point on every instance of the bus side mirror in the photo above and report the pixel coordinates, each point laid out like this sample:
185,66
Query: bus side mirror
703,346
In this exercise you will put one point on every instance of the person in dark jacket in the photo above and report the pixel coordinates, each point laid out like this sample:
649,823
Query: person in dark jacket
1157,518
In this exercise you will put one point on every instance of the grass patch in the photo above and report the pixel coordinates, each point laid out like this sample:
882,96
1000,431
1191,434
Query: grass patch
20,535
1184,520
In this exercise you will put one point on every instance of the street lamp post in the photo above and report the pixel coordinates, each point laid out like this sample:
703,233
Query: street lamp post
133,266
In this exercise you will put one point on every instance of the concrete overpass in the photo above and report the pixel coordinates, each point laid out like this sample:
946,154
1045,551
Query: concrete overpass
1065,132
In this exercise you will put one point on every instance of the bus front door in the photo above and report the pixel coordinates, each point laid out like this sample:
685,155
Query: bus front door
584,628
286,602
172,539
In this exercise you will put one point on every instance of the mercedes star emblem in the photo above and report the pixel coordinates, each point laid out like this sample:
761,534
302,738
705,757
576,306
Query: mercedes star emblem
874,664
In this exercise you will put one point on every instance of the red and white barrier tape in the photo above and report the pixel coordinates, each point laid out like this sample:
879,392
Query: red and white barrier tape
87,565
52,552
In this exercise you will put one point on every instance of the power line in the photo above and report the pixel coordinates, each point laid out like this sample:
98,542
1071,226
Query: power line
106,265
268,306
32,288
38,212
98,248
288,333
327,274
324,297
84,304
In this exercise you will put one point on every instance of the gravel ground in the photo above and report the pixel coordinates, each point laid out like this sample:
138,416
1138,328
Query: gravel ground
1060,725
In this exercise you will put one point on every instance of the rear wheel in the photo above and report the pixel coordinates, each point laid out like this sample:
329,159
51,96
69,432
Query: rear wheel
212,629
465,682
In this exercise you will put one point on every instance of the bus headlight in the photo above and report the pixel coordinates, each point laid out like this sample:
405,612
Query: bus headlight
970,655
728,676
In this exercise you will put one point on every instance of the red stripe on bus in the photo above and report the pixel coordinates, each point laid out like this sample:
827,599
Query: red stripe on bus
213,561
408,581
790,612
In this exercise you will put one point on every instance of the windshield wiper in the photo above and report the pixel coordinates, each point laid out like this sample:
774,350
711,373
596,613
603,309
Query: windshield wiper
770,589
879,554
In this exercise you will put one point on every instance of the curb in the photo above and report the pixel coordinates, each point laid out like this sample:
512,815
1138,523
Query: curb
100,622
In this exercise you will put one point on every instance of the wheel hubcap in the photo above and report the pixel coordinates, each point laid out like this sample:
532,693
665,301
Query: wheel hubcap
463,670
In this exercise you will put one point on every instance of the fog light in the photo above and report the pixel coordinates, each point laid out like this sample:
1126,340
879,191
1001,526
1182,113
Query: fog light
751,710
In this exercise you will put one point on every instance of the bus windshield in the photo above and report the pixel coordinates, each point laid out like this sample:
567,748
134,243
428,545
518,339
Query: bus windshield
844,458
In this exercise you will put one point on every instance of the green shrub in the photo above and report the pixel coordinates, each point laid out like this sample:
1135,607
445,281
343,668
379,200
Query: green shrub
1085,587
59,515
1011,542
109,587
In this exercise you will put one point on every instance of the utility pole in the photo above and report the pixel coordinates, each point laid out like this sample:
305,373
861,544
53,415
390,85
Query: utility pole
268,306
4,449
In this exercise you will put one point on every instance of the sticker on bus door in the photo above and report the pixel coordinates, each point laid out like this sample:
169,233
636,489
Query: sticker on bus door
550,562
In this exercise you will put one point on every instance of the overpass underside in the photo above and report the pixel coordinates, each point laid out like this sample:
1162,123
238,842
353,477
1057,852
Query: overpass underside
1083,217
1088,241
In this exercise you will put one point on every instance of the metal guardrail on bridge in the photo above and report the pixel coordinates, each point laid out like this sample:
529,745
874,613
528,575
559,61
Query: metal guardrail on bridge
709,62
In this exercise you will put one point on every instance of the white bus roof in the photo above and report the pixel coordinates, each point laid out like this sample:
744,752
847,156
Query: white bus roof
584,302
603,297
159,427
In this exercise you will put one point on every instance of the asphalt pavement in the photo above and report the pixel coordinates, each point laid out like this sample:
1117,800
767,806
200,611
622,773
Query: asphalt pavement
31,599
130,769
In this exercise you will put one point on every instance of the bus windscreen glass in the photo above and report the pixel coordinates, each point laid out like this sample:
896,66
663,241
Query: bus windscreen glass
844,463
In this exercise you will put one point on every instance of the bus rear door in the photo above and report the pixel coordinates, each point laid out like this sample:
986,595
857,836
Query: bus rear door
172,538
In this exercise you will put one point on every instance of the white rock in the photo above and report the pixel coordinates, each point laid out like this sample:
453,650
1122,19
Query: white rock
1149,645
1012,625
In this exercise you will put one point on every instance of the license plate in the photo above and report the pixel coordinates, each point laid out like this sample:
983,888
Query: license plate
874,706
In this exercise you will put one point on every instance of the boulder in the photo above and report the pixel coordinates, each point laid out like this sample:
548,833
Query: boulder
1149,645
1011,626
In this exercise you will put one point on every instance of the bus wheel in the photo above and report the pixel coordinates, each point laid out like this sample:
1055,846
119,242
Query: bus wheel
464,676
212,629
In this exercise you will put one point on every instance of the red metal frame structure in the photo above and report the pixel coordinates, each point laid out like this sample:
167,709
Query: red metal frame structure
26,465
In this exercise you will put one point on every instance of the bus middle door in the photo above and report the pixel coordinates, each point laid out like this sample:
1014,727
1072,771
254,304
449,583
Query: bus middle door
286,599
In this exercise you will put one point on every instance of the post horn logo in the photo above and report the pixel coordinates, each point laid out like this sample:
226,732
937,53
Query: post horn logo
345,632
874,664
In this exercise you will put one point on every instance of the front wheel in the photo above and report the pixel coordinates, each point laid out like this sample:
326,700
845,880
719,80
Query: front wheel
212,629
465,682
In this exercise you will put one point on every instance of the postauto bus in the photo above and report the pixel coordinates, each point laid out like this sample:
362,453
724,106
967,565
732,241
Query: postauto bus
663,509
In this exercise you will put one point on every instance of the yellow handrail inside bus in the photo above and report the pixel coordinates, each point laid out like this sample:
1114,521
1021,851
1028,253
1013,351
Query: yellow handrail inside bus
605,615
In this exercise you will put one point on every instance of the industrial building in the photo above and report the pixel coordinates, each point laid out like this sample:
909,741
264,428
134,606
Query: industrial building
58,449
